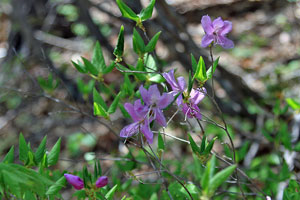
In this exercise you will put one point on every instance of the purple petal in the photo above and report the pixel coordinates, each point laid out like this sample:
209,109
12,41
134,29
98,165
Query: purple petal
102,181
225,29
207,25
160,118
165,100
170,78
145,129
207,40
153,93
195,111
130,130
140,109
131,110
144,94
186,110
179,100
75,181
196,96
218,23
225,42
181,83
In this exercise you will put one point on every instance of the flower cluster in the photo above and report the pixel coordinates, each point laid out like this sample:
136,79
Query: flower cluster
187,102
144,114
78,183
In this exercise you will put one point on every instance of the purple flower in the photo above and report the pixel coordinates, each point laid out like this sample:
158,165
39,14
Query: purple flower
102,181
216,32
75,181
143,115
156,102
189,104
191,108
139,114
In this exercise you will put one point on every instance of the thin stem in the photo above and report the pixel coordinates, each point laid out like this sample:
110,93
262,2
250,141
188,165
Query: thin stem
212,78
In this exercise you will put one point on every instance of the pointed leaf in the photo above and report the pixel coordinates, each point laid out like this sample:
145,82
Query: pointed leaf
200,74
126,11
190,83
161,143
57,186
91,68
109,68
110,194
54,153
41,150
80,67
194,63
152,43
98,58
139,42
203,144
220,178
99,110
124,111
9,157
293,104
99,100
208,173
212,69
146,13
23,149
194,146
210,146
114,104
118,51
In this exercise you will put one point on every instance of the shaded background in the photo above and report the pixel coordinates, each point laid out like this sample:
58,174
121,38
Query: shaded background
41,37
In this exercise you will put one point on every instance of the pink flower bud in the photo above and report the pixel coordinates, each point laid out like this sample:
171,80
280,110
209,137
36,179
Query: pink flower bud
102,181
75,181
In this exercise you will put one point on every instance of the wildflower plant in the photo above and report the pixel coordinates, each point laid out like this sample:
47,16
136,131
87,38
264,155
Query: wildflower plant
145,99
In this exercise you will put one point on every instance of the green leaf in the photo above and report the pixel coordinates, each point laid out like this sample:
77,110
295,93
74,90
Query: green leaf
98,58
23,149
99,100
208,173
138,42
194,63
54,153
200,74
210,146
80,67
91,68
9,157
203,144
57,186
41,150
152,43
110,194
146,13
190,83
99,110
194,146
124,112
109,68
161,143
118,51
114,104
292,103
126,11
220,178
212,69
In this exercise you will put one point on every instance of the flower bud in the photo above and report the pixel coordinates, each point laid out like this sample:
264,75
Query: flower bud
102,181
75,181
